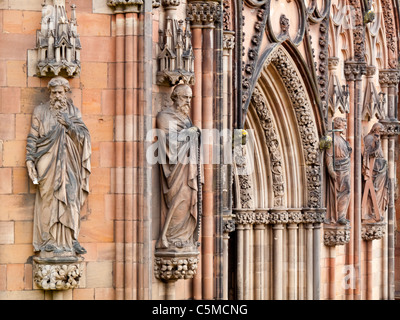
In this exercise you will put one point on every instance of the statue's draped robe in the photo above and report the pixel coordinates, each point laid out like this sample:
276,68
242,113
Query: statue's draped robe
373,149
62,160
338,195
179,180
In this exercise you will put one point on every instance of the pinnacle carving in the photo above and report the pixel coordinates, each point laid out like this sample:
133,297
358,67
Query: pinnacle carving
57,42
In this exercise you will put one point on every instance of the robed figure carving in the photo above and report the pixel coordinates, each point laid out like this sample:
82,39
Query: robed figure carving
374,167
58,161
338,163
180,174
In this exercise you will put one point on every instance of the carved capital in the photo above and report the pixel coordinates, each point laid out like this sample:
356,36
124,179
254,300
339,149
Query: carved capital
121,6
245,217
203,13
373,231
354,70
391,128
389,77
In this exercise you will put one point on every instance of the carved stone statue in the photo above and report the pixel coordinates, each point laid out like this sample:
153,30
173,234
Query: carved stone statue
180,174
58,161
337,159
375,196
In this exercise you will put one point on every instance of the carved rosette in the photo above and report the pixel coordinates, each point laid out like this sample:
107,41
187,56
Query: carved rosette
373,231
175,268
58,274
336,235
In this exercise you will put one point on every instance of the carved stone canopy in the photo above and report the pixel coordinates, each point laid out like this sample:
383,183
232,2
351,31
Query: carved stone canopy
57,42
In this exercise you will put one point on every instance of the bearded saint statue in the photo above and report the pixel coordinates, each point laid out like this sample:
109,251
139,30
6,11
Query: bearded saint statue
180,174
58,161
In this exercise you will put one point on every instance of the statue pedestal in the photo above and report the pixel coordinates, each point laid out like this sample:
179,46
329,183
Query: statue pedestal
57,271
336,235
172,265
373,231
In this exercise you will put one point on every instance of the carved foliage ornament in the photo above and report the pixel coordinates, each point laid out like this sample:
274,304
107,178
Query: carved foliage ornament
279,216
173,269
204,12
57,276
272,142
307,127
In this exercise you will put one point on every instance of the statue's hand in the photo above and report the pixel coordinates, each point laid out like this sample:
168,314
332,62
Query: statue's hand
64,120
32,171
332,173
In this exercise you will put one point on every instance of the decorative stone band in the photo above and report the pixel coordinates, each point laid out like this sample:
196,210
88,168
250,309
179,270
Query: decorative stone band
58,274
373,231
336,235
279,216
175,267
122,6
203,13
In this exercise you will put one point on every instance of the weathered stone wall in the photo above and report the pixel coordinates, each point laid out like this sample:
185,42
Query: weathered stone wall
94,94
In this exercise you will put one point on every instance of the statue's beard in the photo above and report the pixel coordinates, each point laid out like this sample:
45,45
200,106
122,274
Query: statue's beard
58,104
184,109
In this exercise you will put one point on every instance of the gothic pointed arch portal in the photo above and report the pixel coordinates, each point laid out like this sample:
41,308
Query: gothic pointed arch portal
279,202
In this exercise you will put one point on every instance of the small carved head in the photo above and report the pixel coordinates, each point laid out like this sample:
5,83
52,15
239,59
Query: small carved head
58,87
59,81
377,129
339,123
181,97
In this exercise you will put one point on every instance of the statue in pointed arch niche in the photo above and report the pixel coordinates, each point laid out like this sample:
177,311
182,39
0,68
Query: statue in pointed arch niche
337,159
376,184
58,161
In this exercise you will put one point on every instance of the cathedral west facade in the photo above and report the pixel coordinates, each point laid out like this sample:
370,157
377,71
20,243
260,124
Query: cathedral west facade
284,119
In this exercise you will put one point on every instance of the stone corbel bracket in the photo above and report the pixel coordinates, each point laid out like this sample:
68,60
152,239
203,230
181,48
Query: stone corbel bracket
170,267
373,231
60,273
124,6
336,235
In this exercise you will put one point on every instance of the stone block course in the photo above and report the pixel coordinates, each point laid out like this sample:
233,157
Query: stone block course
6,232
15,277
10,100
